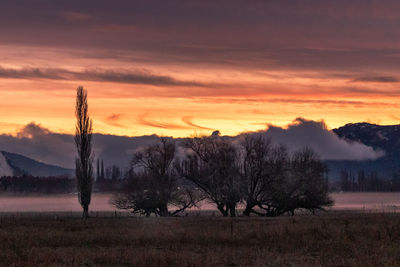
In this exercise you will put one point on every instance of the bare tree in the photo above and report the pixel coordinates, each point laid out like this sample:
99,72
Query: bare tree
277,183
212,165
267,174
154,185
298,182
310,186
256,170
83,141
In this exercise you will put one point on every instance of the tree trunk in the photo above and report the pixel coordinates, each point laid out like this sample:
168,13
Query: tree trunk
248,209
232,210
164,211
222,210
85,213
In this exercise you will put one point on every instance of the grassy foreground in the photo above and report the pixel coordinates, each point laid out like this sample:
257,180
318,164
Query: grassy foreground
332,239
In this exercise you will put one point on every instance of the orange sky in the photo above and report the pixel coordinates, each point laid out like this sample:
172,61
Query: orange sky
171,73
242,100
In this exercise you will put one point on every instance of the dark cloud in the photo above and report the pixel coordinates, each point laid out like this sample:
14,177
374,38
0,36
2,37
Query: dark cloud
139,77
121,76
377,79
33,73
287,34
332,102
372,91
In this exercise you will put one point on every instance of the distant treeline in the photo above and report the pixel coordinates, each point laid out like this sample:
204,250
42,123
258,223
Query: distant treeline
363,181
112,173
43,185
27,184
113,179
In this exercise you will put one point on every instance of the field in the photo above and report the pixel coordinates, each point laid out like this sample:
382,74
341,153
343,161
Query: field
331,239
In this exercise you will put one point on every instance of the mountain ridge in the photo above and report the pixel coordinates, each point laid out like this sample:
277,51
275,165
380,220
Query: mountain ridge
380,137
12,164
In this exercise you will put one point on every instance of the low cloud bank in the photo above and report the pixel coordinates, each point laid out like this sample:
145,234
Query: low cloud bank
314,134
41,144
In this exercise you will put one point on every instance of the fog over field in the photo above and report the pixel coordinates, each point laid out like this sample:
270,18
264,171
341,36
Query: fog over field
101,202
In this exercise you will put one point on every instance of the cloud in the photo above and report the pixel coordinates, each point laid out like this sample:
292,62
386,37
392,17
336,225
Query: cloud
158,124
41,144
377,79
112,28
323,34
189,121
76,16
138,77
315,135
32,73
114,120
306,101
372,91
120,76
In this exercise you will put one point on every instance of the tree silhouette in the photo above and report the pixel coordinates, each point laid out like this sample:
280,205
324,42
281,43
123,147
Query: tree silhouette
212,165
154,185
102,175
98,170
257,170
83,141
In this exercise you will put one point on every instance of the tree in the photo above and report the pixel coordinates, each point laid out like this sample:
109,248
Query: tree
255,169
345,180
212,165
308,187
153,185
98,170
83,141
102,175
271,170
277,183
115,173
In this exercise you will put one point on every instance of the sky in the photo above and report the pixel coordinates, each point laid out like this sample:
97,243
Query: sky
182,68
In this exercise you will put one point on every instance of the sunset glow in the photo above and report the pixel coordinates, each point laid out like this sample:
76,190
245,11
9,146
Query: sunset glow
167,73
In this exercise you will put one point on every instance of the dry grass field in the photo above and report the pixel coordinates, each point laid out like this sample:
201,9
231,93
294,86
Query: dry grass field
331,239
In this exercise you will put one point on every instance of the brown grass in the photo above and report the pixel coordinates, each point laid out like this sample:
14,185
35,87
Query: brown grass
333,239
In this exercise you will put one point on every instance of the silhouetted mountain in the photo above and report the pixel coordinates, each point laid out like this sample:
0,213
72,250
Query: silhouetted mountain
15,164
385,138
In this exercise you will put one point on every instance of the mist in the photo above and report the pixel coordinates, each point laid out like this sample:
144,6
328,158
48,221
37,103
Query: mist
315,134
39,143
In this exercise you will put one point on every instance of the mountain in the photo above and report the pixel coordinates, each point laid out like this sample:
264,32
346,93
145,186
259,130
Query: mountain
385,138
15,164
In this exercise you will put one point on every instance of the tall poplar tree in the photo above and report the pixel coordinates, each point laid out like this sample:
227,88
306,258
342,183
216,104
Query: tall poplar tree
83,141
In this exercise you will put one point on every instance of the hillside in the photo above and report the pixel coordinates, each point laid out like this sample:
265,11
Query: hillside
15,164
385,138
